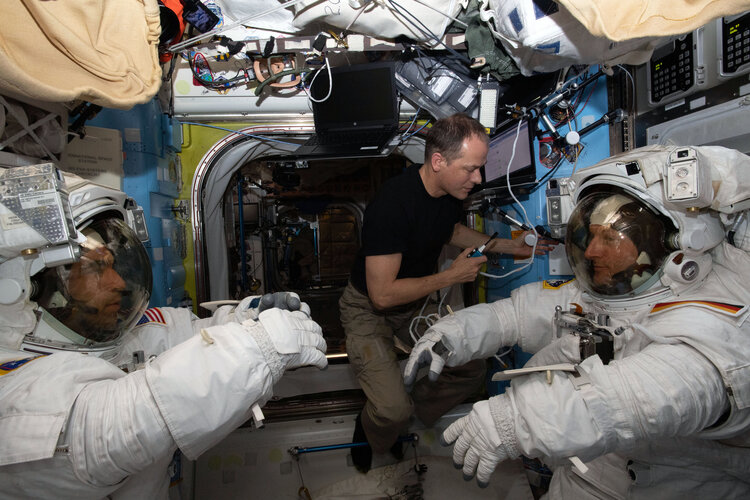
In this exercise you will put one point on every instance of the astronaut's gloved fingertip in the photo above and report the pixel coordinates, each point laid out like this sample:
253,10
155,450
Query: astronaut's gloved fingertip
468,477
293,303
482,484
266,302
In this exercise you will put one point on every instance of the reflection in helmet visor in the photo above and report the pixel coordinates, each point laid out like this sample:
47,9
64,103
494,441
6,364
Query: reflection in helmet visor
103,294
615,243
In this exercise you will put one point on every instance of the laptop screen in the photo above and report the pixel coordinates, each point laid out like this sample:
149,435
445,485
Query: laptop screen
363,96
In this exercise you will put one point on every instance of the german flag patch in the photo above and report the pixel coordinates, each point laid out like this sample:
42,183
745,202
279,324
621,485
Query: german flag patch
727,308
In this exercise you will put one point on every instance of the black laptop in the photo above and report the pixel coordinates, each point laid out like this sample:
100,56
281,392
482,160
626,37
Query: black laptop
359,118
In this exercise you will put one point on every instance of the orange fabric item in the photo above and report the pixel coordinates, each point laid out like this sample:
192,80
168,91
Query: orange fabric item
177,7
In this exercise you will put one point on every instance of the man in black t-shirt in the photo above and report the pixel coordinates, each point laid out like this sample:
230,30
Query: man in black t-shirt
405,228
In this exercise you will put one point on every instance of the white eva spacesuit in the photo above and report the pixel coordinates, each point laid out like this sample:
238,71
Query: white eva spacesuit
75,280
641,367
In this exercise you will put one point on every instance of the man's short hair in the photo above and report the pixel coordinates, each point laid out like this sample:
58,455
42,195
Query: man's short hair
448,134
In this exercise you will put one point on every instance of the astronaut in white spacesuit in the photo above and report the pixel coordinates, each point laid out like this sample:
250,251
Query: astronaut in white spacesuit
639,386
80,415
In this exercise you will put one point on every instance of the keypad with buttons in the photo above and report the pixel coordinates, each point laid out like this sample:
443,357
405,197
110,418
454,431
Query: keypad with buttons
673,72
735,44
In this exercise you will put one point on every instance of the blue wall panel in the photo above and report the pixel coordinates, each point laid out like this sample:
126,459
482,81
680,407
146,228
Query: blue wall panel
592,106
151,170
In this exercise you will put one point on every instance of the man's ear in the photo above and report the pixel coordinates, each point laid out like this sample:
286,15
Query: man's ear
438,161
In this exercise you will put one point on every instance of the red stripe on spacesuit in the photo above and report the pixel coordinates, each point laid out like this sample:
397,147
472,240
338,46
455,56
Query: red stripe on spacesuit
154,315
732,309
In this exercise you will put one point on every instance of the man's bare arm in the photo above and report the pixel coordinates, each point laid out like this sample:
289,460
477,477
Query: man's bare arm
386,291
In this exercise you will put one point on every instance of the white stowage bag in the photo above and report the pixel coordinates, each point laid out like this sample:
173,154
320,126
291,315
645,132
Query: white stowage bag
547,41
254,19
380,19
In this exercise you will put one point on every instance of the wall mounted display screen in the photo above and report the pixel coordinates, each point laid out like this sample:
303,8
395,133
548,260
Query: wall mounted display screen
522,169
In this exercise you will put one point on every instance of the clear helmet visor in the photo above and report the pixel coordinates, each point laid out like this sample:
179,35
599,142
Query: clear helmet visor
616,243
105,293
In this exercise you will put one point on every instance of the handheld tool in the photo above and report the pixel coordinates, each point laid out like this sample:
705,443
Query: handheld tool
480,250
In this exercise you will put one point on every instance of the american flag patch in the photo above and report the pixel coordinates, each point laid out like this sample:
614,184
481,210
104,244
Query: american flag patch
153,315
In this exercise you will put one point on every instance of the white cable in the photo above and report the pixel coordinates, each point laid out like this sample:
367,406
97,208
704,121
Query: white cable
429,319
632,85
330,81
525,215
500,355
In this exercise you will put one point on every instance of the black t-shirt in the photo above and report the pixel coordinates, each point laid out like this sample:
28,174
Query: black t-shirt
403,218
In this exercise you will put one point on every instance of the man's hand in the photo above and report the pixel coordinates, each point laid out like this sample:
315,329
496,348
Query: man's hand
465,268
298,339
483,438
518,247
428,350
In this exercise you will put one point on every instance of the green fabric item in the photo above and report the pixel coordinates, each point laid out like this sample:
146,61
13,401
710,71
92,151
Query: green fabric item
481,43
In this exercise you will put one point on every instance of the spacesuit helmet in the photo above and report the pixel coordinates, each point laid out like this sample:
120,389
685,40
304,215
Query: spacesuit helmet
617,243
646,221
104,293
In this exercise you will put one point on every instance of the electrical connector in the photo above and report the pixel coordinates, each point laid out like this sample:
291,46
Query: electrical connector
319,44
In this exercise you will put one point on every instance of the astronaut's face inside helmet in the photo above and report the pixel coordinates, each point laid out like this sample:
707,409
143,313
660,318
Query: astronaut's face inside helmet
610,253
105,292
97,288
616,243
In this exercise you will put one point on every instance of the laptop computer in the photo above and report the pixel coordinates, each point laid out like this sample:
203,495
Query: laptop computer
359,118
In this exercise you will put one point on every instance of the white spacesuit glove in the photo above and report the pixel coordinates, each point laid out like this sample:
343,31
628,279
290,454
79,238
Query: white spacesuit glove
476,332
429,349
250,307
298,339
484,438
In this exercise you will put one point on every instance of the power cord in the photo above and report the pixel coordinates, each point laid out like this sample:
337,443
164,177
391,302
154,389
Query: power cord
525,215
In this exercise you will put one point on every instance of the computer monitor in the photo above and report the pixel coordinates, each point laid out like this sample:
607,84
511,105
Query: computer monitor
523,167
363,97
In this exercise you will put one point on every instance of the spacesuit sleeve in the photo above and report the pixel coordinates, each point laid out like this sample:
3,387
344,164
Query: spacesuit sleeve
205,387
162,328
190,397
663,391
222,315
525,319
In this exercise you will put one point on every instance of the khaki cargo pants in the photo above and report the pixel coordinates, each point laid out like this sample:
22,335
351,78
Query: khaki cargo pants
370,348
